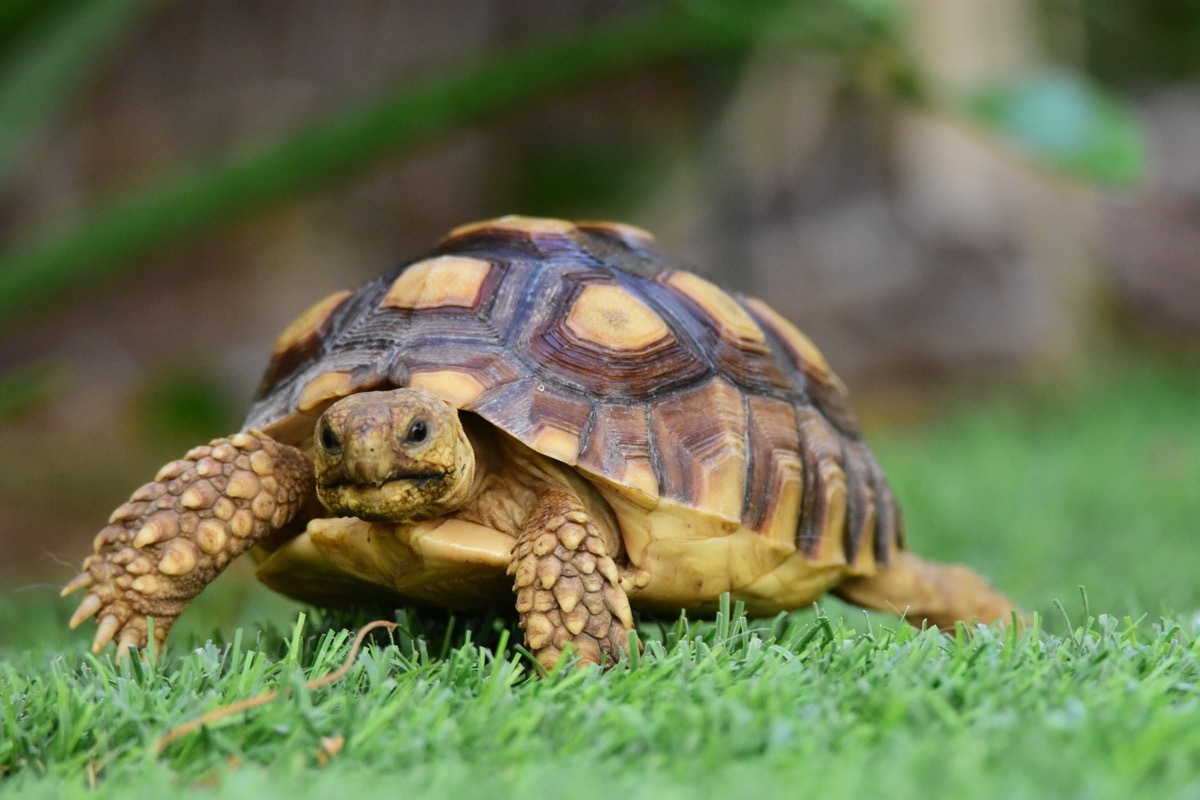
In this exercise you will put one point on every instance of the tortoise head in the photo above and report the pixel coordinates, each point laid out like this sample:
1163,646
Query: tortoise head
395,456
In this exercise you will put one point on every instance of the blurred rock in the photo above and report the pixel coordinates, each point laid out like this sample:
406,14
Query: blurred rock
1154,235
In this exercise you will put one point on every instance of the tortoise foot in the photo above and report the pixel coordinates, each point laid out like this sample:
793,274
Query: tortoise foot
177,533
568,586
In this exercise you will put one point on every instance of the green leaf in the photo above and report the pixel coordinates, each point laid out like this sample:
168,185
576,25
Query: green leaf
1066,123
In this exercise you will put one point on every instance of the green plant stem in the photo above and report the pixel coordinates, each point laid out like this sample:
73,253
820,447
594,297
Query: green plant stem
53,63
194,199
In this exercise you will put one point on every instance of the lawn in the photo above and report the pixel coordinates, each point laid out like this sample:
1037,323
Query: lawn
1079,499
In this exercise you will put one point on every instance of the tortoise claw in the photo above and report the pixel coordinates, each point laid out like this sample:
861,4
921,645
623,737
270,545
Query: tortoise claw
87,609
80,581
129,638
108,627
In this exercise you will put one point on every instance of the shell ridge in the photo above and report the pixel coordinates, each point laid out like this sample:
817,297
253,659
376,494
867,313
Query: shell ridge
750,464
784,361
585,433
654,450
855,512
812,499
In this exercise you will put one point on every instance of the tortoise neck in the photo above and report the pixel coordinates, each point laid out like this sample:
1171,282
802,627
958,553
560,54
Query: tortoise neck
510,478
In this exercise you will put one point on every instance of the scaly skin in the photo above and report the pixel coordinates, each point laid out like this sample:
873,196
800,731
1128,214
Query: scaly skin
568,587
176,534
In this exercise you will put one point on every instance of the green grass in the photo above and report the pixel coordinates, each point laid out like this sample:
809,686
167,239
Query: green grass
1092,484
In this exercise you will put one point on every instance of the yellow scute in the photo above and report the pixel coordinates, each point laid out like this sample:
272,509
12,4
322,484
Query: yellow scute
439,282
792,335
531,226
723,309
309,324
455,387
607,315
326,386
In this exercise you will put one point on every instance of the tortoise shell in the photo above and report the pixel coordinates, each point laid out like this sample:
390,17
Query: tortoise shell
713,427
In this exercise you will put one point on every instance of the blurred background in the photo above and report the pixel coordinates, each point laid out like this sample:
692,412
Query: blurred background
987,215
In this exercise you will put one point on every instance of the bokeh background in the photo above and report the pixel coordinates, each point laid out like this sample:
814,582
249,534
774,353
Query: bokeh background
958,201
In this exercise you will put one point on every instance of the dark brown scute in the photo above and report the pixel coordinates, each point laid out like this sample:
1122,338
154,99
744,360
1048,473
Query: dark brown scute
821,450
773,448
526,409
593,243
492,366
826,392
310,352
305,349
619,440
607,247
748,363
504,245
700,435
861,518
285,363
829,396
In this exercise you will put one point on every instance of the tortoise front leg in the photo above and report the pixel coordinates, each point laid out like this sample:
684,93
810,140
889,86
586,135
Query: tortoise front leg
568,587
175,535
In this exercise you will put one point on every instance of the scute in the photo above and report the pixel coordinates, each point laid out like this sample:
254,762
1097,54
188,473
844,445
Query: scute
729,317
619,449
601,339
324,388
609,317
439,282
775,473
456,387
301,341
824,387
546,418
823,515
531,227
700,436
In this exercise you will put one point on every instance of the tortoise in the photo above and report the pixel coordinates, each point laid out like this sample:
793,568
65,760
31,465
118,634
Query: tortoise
555,410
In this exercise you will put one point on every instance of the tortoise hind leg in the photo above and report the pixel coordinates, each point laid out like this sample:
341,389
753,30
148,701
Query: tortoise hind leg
926,591
176,534
568,587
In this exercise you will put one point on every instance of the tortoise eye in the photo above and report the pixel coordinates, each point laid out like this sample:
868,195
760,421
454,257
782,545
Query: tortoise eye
418,431
329,440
